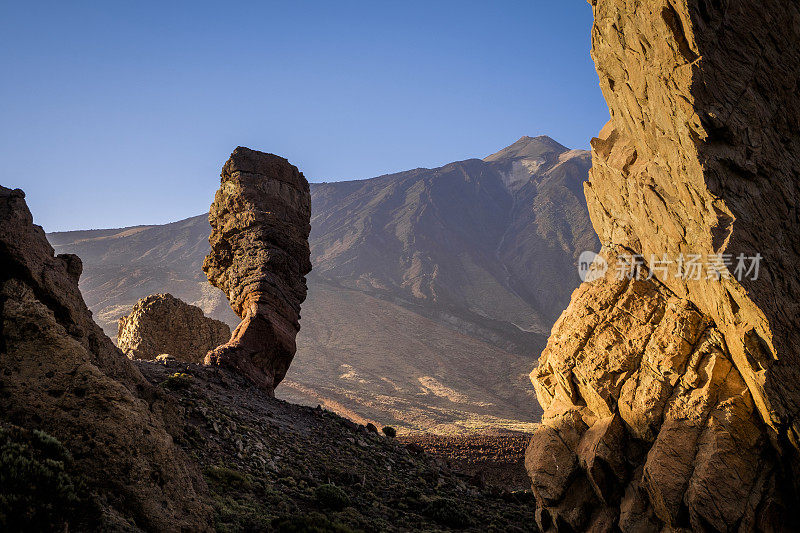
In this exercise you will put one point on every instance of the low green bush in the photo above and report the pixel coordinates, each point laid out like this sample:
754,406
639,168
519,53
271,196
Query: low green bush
178,381
310,523
448,513
39,491
332,497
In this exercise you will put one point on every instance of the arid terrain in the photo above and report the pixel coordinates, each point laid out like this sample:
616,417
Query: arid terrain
663,399
496,459
431,289
272,465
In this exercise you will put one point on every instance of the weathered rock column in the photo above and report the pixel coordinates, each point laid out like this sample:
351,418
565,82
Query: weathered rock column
259,257
674,403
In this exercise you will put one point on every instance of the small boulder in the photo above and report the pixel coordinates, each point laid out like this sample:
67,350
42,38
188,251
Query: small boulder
161,324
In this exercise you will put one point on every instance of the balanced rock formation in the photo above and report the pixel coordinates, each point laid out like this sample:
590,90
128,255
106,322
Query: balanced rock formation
673,402
60,374
259,257
162,324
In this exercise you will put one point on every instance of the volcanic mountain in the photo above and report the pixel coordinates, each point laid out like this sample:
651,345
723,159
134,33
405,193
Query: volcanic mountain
432,293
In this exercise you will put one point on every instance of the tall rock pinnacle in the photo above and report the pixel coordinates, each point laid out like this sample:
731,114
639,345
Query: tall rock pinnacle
672,401
259,257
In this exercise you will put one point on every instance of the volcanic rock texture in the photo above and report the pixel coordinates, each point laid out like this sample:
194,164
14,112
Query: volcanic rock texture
259,257
59,373
162,324
673,401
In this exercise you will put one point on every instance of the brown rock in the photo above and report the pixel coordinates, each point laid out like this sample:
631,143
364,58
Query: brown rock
162,324
62,375
701,156
656,406
259,257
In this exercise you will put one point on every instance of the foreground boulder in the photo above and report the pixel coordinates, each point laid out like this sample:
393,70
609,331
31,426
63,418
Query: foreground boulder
259,257
60,374
162,324
673,401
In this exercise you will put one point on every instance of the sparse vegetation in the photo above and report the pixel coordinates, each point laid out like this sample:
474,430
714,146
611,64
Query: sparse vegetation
273,466
310,523
448,513
331,497
39,491
178,381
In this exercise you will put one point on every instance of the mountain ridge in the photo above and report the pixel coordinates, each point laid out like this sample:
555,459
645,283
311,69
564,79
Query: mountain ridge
453,248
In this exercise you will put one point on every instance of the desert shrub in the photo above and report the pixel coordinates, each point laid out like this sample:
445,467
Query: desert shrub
310,523
39,491
372,428
389,431
178,381
332,497
222,478
448,513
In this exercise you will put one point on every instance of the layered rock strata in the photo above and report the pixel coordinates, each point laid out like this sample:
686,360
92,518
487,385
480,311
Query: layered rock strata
61,374
162,324
687,416
259,257
647,421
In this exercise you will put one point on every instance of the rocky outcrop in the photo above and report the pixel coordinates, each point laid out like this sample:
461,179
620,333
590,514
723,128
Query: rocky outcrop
162,324
673,401
259,257
647,421
61,374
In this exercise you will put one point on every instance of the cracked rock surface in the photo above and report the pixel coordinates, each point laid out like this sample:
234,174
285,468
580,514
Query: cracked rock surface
60,374
259,257
672,402
162,324
647,421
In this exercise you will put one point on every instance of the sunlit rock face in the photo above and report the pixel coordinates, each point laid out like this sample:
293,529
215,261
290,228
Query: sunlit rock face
673,401
259,257
162,324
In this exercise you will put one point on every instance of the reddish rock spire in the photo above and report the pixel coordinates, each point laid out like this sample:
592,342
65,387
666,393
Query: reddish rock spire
259,257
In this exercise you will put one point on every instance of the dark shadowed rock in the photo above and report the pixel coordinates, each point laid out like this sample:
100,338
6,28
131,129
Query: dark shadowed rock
61,374
259,257
162,324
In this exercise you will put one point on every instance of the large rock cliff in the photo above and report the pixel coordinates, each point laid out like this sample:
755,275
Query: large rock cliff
162,324
259,257
60,374
673,401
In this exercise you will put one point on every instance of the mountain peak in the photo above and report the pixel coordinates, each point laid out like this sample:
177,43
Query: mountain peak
528,148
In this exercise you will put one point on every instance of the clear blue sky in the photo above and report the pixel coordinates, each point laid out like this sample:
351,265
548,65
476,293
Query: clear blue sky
120,113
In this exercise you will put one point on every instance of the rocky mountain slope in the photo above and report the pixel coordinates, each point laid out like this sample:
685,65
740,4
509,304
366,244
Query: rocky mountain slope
92,441
430,288
274,466
671,396
62,376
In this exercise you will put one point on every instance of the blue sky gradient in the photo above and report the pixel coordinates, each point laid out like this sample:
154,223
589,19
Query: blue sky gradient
122,113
